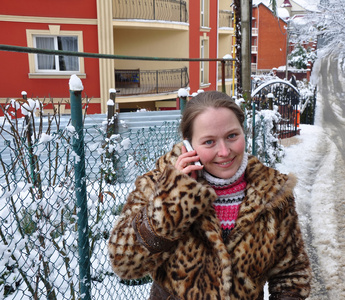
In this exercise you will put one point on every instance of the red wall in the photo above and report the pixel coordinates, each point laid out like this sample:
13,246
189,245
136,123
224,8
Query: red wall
50,8
271,40
194,44
14,75
213,41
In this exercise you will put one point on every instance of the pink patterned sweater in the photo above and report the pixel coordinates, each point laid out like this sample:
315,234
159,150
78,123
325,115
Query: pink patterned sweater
230,194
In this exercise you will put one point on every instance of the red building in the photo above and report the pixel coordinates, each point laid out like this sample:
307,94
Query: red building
185,29
269,40
61,25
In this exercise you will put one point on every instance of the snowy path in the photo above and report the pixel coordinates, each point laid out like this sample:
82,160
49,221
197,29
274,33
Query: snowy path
331,85
319,163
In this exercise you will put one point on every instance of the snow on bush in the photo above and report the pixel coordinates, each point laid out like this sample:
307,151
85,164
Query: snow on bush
267,147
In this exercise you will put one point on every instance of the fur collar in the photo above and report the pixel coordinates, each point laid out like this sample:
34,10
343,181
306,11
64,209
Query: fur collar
266,189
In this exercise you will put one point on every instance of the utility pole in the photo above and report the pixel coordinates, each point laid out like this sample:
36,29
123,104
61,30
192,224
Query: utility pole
246,36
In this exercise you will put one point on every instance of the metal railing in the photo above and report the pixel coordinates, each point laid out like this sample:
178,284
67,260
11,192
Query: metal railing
136,82
165,10
226,18
228,70
286,98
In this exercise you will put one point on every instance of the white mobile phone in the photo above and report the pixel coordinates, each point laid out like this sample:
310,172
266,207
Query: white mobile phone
189,147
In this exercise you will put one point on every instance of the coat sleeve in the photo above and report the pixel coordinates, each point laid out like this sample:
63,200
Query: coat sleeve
156,215
290,278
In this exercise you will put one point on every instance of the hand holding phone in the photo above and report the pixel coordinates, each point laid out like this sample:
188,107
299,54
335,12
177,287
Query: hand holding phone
189,148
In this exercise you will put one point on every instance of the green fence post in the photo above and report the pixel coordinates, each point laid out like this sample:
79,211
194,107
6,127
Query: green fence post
80,188
183,102
253,126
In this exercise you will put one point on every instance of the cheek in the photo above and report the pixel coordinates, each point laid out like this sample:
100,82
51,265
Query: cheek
205,155
240,145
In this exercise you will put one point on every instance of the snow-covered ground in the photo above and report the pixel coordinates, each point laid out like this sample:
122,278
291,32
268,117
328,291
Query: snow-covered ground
317,157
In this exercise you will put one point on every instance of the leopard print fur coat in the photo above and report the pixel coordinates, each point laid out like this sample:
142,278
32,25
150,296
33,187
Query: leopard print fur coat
168,229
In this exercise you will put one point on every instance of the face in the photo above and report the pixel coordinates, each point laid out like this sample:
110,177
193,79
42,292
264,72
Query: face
219,140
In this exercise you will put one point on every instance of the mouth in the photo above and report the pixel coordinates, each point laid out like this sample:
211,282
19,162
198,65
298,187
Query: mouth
226,163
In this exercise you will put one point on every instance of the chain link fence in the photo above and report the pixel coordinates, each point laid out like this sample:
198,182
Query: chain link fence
38,213
40,230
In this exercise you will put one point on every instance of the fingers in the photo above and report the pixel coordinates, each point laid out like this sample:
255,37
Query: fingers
185,162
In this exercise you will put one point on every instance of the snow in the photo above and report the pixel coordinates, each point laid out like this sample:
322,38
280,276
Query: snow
183,92
75,83
283,13
312,156
15,104
45,138
110,102
278,81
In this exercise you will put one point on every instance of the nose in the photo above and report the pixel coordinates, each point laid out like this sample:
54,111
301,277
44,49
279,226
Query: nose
223,149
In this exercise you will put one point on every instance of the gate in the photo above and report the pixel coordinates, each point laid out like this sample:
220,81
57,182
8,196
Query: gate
284,97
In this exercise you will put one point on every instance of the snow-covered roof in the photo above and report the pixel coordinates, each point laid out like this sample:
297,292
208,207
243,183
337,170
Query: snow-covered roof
265,2
283,13
310,5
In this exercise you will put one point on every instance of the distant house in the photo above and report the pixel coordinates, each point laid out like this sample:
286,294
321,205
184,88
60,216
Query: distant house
269,40
181,29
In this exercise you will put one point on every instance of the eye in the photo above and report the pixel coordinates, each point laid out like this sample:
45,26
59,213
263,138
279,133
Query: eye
232,136
209,142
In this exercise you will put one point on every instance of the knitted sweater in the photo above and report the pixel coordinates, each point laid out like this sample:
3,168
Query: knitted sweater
230,194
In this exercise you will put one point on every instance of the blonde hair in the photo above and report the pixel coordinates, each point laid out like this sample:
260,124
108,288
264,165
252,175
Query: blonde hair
200,103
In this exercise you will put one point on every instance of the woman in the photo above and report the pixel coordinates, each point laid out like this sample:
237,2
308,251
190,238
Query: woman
216,231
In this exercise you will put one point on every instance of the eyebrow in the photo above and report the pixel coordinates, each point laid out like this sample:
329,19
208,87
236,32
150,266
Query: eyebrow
227,133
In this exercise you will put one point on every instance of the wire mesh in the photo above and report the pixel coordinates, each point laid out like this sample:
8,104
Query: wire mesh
38,214
39,256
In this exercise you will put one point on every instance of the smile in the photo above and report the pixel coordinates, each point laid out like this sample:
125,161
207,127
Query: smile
226,162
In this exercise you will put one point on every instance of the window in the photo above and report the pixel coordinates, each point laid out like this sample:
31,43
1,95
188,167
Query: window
204,8
55,66
202,63
58,63
204,53
202,13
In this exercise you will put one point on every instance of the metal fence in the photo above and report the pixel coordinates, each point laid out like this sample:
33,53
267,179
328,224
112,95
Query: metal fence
166,10
40,233
286,98
135,82
226,19
42,238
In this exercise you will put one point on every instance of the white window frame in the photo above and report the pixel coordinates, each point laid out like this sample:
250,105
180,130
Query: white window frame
204,65
204,14
56,57
54,31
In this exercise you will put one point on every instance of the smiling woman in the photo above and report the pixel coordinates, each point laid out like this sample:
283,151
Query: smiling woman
215,231
218,139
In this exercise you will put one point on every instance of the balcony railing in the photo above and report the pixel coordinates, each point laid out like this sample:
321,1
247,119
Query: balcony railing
255,31
165,10
254,49
228,70
137,82
225,18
